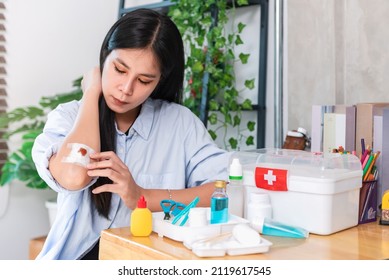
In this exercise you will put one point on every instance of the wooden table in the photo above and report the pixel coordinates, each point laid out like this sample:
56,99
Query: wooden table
366,241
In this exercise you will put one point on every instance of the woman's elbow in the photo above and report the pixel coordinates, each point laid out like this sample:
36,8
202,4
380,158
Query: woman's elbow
72,177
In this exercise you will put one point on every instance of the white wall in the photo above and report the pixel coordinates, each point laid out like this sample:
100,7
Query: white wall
338,52
49,44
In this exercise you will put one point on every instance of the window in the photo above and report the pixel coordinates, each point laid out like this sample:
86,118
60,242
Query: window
3,83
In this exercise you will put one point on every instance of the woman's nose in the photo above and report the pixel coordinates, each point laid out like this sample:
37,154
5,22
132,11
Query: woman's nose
127,87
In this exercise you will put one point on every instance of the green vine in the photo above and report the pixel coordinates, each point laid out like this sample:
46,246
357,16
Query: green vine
28,123
209,66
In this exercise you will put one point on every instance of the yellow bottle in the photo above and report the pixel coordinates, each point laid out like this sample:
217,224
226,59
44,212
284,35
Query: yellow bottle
141,219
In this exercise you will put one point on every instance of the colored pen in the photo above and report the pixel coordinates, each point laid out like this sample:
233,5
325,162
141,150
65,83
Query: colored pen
363,145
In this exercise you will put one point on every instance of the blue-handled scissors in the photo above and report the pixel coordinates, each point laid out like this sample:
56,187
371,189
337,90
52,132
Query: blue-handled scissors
184,213
171,207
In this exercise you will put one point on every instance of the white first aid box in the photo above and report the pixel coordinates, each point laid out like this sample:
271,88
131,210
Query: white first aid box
315,191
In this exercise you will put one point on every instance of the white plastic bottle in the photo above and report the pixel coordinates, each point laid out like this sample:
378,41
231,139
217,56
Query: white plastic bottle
259,206
235,189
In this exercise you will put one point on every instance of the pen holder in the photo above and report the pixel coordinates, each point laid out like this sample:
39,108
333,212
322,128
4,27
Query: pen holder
368,202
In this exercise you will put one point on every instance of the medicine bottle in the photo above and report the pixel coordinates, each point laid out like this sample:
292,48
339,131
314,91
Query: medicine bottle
141,219
219,203
235,189
259,206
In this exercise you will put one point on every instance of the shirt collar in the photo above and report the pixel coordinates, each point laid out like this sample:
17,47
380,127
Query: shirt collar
143,122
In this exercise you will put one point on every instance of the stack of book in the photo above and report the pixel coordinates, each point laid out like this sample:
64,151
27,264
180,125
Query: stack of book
333,126
350,126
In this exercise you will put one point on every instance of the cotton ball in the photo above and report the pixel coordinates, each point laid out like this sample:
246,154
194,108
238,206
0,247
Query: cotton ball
245,235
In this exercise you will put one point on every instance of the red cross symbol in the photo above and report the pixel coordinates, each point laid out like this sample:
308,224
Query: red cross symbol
271,178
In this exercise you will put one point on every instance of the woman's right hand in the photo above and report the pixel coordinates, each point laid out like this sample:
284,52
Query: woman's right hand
108,164
91,83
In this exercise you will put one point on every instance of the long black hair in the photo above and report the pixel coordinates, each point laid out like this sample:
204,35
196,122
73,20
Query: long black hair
140,29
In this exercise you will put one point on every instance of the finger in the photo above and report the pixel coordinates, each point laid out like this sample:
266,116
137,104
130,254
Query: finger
106,160
109,173
103,155
106,188
108,164
103,164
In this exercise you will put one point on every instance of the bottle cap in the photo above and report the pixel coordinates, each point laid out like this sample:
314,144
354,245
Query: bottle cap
236,170
295,134
302,130
142,203
260,197
220,184
197,217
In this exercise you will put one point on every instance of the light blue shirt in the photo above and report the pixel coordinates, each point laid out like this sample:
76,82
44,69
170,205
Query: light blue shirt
167,147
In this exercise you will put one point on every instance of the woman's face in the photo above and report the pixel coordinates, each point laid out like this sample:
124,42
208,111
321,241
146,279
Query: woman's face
129,77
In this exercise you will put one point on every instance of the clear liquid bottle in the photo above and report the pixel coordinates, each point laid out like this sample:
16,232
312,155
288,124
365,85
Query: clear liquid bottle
219,203
235,188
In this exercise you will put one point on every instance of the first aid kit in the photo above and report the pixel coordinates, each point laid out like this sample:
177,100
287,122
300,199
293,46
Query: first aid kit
315,191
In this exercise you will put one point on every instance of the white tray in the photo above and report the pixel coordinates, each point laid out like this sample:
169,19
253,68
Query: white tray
230,247
188,235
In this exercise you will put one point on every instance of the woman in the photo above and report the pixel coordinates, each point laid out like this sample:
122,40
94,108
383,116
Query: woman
138,139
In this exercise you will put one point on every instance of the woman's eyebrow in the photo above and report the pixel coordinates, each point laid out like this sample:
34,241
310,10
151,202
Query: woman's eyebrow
126,66
122,62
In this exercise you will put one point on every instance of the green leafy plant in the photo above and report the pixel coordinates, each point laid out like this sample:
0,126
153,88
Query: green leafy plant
209,66
28,123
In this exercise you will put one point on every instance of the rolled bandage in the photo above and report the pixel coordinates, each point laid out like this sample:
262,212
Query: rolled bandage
79,154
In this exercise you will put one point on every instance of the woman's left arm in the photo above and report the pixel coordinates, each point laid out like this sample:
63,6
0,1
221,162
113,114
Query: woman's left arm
109,165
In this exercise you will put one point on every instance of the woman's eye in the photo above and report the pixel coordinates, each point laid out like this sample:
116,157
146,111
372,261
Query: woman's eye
144,82
119,71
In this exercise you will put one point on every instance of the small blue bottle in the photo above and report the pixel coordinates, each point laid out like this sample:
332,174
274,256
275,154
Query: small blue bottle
219,203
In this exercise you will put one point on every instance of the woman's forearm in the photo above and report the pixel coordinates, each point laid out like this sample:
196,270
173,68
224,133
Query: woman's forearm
85,131
185,196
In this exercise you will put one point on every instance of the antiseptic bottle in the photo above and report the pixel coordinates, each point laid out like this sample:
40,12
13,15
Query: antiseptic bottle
219,203
235,188
141,219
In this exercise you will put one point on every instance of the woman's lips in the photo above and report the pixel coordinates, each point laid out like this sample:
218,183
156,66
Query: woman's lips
118,102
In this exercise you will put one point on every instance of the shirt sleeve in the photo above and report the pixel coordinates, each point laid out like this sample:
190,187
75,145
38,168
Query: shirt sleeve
206,161
59,123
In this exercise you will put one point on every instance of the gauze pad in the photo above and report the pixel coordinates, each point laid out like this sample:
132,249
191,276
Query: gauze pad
79,154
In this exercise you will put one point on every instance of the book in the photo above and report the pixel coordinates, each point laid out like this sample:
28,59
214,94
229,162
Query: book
377,146
345,126
349,111
318,112
364,123
334,132
383,161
